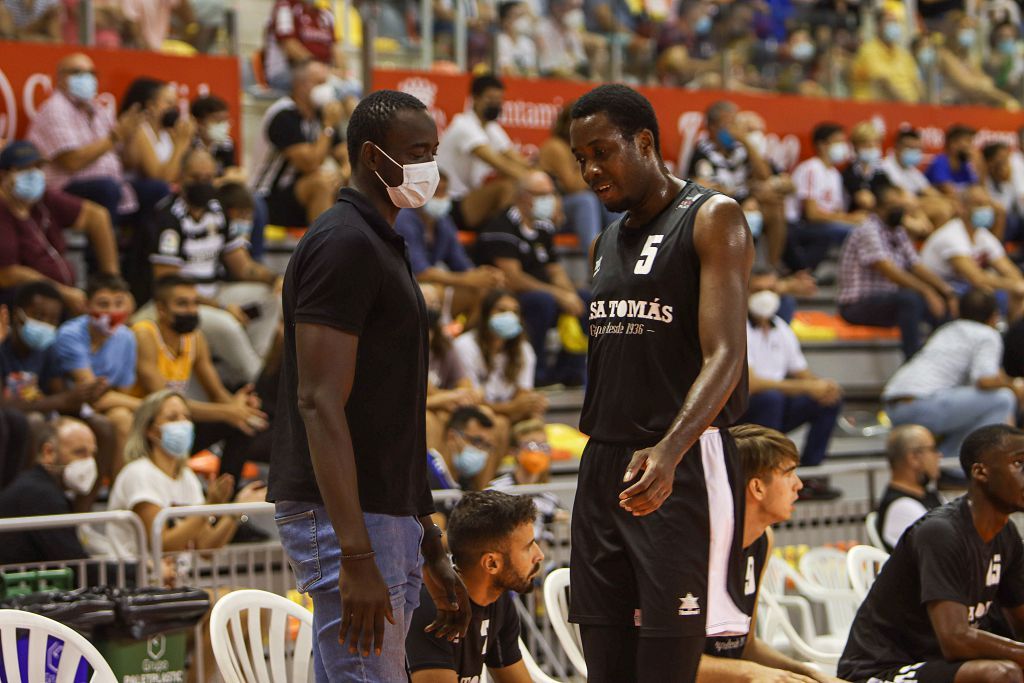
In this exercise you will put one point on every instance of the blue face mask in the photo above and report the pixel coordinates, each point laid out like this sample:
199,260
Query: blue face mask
82,87
240,228
1008,46
176,438
725,139
803,52
29,185
703,26
926,56
965,37
911,157
755,221
470,460
869,155
506,325
892,32
983,217
36,334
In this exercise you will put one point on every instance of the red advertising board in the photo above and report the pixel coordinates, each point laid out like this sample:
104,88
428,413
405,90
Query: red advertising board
27,72
532,105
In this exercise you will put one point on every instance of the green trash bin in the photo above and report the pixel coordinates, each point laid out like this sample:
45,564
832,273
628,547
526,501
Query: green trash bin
158,659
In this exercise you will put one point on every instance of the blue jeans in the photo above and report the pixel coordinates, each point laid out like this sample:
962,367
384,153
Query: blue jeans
954,413
785,413
314,554
812,241
540,314
904,308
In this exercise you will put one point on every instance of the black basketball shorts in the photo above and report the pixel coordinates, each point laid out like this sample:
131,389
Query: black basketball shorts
922,672
653,571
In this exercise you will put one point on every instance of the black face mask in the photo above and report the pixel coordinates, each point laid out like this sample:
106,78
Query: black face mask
963,156
491,112
183,323
894,217
199,194
170,117
433,317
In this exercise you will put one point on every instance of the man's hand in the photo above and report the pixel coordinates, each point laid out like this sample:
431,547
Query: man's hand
183,131
764,674
74,299
655,486
365,604
83,392
570,302
238,313
253,492
485,277
531,403
800,283
220,490
244,418
936,304
826,391
450,598
332,113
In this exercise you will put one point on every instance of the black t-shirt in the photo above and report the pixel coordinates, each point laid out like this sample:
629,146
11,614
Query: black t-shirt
645,350
939,558
754,558
727,169
283,127
34,492
506,236
196,246
492,639
350,272
930,500
857,178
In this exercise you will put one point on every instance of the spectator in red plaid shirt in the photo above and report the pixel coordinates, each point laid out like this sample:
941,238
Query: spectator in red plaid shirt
882,281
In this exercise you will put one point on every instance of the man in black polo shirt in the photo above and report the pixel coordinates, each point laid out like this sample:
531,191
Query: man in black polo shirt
921,620
348,471
491,537
520,242
914,466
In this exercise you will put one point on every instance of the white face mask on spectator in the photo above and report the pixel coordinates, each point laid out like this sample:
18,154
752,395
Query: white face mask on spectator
574,20
418,185
219,132
763,305
522,25
837,152
322,95
80,475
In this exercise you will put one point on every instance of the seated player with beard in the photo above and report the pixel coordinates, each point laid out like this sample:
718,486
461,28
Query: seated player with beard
491,537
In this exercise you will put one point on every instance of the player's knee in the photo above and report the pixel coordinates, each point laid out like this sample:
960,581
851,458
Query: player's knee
1002,672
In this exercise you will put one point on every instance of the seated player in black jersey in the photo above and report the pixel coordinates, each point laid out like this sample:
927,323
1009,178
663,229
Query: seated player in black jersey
490,535
769,467
922,619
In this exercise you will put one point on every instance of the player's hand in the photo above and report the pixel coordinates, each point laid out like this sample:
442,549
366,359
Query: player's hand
450,598
655,486
763,674
365,604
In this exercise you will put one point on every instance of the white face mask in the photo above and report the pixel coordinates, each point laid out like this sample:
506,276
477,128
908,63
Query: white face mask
418,185
438,207
763,305
321,95
544,207
522,25
219,132
80,475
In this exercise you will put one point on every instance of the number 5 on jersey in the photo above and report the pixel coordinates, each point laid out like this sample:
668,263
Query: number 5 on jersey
647,255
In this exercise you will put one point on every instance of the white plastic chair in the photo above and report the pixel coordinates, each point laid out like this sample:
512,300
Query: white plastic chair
871,527
826,640
75,648
772,617
537,674
242,660
863,563
556,602
826,568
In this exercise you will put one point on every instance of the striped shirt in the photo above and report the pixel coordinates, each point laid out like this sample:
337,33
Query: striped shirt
869,244
25,12
62,126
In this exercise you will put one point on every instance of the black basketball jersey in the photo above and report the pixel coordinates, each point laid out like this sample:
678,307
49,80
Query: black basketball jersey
754,558
645,349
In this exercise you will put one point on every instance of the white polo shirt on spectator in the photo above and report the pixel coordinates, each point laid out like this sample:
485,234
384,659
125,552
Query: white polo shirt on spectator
455,153
911,179
952,239
814,180
774,354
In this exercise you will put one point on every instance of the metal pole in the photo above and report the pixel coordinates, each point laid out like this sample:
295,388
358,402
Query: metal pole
460,34
346,23
616,57
368,11
427,34
87,22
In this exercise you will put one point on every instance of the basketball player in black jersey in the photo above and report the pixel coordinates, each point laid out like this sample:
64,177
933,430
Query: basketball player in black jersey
656,557
769,463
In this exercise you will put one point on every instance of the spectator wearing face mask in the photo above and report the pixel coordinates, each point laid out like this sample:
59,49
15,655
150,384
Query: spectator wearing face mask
438,258
202,239
864,168
953,170
1005,62
155,150
784,393
964,80
819,208
500,362
520,242
902,169
468,450
533,466
64,463
148,22
966,254
32,220
883,68
517,49
298,31
563,44
156,476
98,345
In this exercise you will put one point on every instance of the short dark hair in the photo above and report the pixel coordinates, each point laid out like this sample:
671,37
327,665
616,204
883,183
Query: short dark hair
464,415
990,150
140,92
25,294
207,105
114,283
628,110
715,112
959,130
823,131
506,7
371,121
482,521
163,286
880,186
978,305
483,83
763,450
982,440
907,133
235,196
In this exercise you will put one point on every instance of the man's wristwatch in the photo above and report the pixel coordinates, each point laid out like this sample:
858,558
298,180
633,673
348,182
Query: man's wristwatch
329,132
